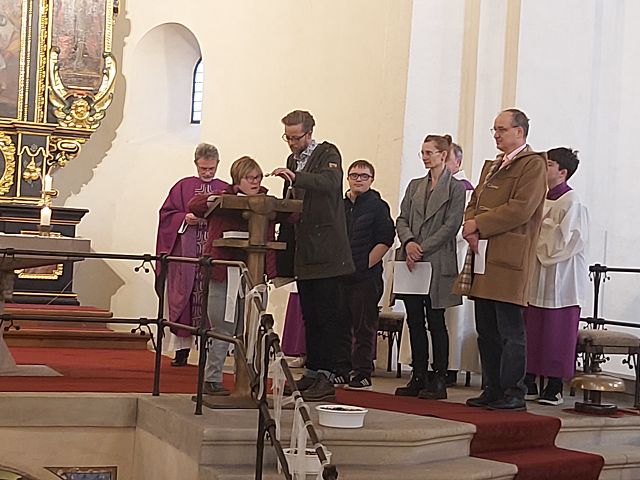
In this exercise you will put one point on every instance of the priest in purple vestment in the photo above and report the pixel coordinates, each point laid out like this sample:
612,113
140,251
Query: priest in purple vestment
183,234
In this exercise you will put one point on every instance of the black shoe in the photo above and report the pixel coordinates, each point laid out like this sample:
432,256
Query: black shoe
512,404
340,380
452,378
322,390
181,357
304,383
552,394
532,387
359,382
483,400
436,389
215,388
417,383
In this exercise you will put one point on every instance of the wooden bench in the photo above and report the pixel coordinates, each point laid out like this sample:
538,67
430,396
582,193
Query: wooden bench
390,326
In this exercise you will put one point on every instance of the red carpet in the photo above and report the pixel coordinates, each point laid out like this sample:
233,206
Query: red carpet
520,438
99,370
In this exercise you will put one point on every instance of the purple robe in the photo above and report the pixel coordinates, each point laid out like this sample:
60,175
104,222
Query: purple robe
184,287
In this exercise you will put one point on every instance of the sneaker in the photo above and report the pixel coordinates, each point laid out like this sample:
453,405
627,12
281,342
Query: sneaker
301,385
552,394
547,399
359,382
215,388
339,380
321,391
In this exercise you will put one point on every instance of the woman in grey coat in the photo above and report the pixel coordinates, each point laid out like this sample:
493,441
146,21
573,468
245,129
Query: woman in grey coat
430,216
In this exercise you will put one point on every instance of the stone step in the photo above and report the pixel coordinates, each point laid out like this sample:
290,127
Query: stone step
228,437
621,462
467,468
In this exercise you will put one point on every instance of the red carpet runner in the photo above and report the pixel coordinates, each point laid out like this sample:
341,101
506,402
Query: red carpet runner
520,438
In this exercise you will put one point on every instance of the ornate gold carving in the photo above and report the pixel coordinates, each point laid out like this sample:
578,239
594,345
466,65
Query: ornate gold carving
40,112
8,150
77,109
31,172
24,35
64,149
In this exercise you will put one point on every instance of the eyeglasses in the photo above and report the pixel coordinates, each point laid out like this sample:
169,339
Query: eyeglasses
252,178
293,138
206,169
360,176
428,154
500,130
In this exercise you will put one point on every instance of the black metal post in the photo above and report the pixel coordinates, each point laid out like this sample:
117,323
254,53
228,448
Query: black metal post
205,268
161,283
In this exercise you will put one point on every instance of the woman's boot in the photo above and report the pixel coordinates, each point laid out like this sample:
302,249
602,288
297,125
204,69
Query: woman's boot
437,388
417,383
181,357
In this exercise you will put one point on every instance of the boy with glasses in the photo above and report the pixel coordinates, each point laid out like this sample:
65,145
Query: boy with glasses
371,233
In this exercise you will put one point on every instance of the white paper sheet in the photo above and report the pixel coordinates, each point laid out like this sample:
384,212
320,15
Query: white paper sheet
417,282
233,285
480,258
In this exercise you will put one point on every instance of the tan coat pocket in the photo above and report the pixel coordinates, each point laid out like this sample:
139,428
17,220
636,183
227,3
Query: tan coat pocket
507,250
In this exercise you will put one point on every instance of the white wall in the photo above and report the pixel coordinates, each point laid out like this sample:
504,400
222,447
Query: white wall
346,62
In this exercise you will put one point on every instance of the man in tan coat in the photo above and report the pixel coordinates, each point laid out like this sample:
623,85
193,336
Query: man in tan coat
506,210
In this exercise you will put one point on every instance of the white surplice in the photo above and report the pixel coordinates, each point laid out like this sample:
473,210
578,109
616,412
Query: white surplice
560,275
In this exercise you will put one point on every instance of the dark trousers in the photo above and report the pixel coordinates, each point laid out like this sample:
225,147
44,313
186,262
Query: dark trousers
502,345
327,333
419,309
361,310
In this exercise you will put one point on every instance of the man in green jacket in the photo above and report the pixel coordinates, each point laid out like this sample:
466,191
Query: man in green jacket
322,254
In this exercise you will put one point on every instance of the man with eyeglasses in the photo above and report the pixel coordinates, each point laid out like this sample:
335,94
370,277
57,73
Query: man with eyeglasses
321,254
505,210
371,233
183,234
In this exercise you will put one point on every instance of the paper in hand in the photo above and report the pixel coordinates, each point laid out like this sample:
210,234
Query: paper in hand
416,282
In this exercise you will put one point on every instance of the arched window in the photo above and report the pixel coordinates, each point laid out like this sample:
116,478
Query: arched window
196,94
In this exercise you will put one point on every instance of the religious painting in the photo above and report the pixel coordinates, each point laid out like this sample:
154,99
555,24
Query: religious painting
10,52
78,31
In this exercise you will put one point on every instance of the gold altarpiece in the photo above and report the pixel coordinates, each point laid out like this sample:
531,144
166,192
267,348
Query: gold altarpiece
57,76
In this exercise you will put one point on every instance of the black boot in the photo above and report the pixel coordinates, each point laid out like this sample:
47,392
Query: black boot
437,388
181,357
417,383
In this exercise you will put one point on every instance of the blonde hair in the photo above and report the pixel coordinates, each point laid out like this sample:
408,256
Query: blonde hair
242,167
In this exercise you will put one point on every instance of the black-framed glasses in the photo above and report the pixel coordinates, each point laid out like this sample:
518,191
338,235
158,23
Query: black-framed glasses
428,154
293,138
360,176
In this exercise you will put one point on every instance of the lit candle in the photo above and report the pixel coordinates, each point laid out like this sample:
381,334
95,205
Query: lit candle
48,183
45,216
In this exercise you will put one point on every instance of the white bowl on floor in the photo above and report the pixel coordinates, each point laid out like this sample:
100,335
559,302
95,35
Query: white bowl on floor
341,416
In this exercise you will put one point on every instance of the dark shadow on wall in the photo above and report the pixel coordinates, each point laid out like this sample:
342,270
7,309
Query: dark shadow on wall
79,172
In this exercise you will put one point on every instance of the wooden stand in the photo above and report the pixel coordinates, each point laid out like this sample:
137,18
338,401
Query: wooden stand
258,210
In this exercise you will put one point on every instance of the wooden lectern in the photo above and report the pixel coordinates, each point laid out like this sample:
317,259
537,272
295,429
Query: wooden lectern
258,210
10,262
